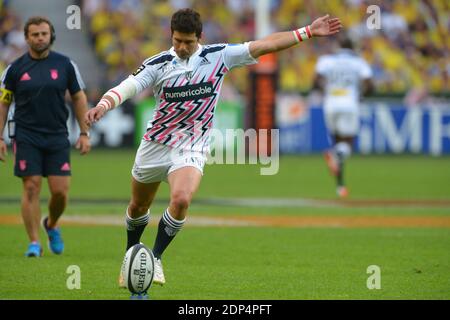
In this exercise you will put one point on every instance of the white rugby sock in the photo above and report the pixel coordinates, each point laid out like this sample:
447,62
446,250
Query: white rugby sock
172,225
133,223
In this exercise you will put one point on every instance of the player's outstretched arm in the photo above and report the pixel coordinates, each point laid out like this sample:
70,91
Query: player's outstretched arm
111,99
321,27
95,114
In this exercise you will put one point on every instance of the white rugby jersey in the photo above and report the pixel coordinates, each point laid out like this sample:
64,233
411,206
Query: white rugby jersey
187,91
343,72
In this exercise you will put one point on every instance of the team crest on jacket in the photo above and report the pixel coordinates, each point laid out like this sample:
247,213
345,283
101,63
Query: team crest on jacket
54,74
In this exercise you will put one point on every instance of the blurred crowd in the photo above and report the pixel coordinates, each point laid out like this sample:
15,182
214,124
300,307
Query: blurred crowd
409,53
12,41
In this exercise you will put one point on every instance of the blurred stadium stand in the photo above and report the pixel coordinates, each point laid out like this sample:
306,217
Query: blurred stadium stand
411,51
12,42
73,43
409,54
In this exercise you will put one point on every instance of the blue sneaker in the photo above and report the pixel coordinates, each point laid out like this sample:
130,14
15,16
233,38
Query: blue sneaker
55,241
34,250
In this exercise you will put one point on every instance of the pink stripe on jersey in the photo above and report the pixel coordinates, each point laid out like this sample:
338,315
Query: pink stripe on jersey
157,113
212,75
196,78
161,136
187,123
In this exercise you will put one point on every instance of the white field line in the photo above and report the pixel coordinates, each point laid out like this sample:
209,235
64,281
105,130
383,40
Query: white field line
102,220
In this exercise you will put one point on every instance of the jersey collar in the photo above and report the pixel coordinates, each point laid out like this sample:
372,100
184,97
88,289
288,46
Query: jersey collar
195,54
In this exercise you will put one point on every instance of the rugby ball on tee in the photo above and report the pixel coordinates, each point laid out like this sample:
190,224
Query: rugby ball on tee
138,268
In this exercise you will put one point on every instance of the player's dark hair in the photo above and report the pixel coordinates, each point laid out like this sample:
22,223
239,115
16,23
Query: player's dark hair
37,20
187,21
345,42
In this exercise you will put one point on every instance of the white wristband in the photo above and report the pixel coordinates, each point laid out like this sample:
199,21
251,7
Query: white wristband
302,34
105,104
102,106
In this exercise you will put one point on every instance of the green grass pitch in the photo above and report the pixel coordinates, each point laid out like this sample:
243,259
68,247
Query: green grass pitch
246,262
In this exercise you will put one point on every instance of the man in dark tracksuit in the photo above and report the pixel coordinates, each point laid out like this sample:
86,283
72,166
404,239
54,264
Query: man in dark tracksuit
37,82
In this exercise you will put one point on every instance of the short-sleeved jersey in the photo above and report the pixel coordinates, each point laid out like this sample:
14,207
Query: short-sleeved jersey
187,91
343,72
39,88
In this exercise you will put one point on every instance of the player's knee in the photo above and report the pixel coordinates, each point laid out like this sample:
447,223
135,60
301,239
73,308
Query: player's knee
60,194
31,189
137,210
180,200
